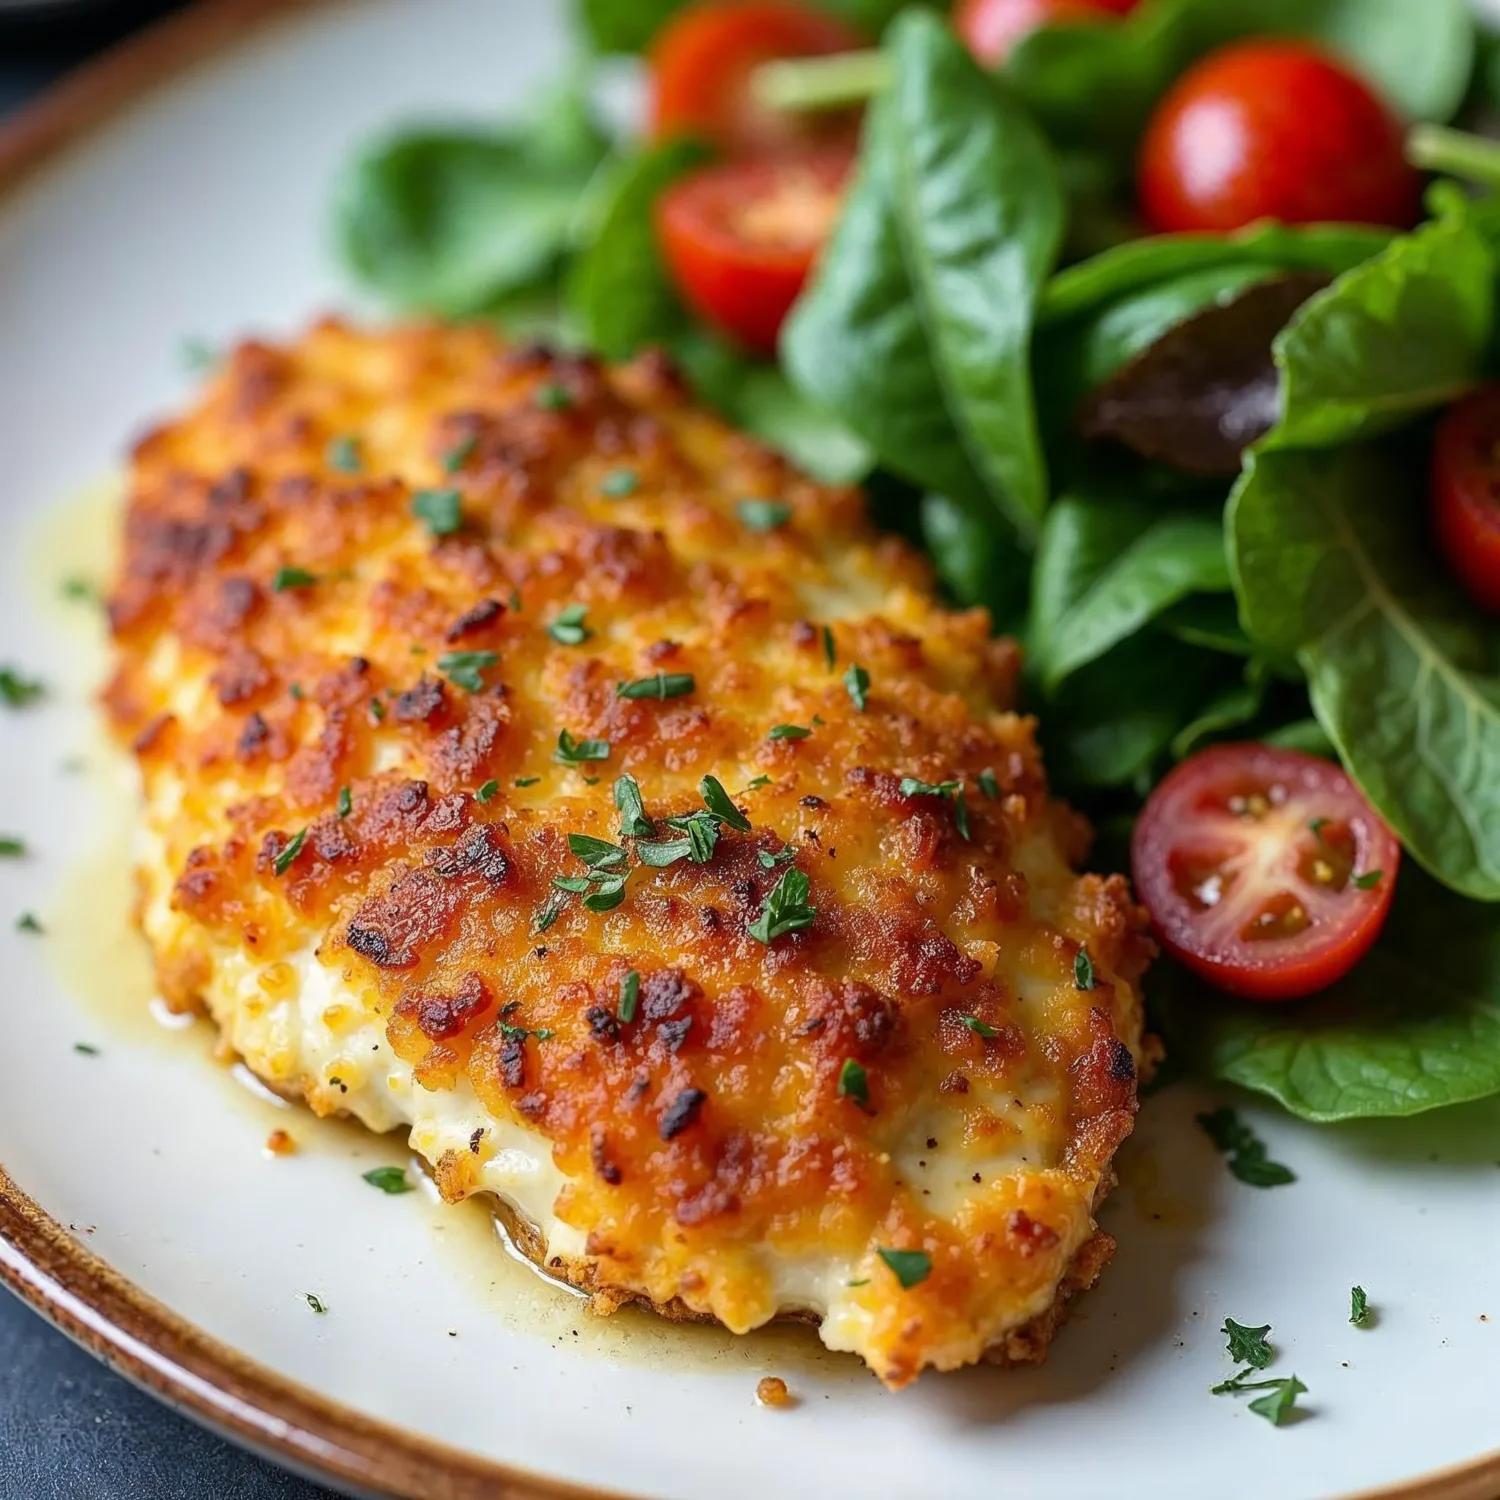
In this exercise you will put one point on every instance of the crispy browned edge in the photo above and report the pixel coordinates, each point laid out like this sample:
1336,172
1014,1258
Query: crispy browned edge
75,1290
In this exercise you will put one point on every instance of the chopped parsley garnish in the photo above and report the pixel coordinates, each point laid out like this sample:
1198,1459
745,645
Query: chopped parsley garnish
27,922
377,710
1276,1406
630,995
520,1033
769,861
345,804
596,853
716,800
17,691
343,453
550,911
788,732
1248,1346
854,1083
294,692
11,847
440,510
459,454
80,589
829,654
1359,1307
553,397
196,354
466,669
763,515
949,790
390,1180
1317,826
488,792
619,482
571,752
1083,970
786,909
987,783
857,681
85,1049
603,888
859,1281
663,685
755,786
910,1267
568,628
527,780
283,861
1369,880
287,579
633,820
701,838
315,1302
1245,1150
978,1027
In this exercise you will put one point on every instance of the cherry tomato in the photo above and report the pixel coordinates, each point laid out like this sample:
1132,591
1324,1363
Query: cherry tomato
990,29
1264,870
740,238
1273,130
1466,493
702,61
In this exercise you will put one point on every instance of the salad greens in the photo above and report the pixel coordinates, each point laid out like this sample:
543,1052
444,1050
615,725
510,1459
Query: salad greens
1188,471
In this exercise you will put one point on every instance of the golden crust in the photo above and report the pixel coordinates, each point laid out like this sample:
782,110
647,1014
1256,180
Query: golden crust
706,1145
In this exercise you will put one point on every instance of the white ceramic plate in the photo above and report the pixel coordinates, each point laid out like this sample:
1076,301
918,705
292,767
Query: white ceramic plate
201,212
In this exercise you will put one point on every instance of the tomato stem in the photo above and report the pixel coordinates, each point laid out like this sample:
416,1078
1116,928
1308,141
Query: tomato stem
1436,148
832,82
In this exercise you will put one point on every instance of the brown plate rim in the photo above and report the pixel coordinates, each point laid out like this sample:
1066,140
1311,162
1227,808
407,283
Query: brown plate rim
71,1286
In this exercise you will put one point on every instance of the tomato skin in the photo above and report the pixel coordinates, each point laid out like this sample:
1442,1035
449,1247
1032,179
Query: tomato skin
741,238
701,63
1249,859
1465,492
1274,130
991,29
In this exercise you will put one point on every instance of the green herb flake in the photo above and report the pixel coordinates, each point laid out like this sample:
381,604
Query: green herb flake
568,628
315,1302
377,710
630,996
786,909
1369,880
1277,1405
345,804
294,692
81,590
598,854
488,792
857,681
1359,1307
854,1083
527,780
12,847
391,1180
342,453
1317,826
619,483
769,861
634,824
911,787
910,1267
978,1027
663,685
553,397
550,911
459,454
85,1049
1083,970
571,752
196,355
288,579
763,515
716,800
1248,1346
988,784
757,783
788,732
859,1281
829,654
466,669
17,691
441,511
1245,1151
283,861
27,922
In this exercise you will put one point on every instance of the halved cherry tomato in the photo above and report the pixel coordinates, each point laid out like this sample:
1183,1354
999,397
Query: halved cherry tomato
741,238
1274,130
990,29
702,61
1465,490
1264,870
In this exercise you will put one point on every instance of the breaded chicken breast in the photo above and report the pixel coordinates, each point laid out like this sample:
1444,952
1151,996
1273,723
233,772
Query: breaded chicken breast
533,763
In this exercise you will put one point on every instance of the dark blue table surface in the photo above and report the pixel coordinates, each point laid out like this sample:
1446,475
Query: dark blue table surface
69,1428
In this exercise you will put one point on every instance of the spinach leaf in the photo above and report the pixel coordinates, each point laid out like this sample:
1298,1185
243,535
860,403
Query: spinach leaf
618,291
1208,620
1416,1025
980,560
624,25
1330,561
917,326
1388,340
1106,566
1232,707
450,220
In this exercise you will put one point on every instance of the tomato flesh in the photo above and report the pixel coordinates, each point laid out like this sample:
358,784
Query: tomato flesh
1264,870
740,239
701,65
1274,130
1465,494
991,29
